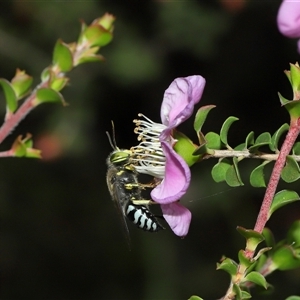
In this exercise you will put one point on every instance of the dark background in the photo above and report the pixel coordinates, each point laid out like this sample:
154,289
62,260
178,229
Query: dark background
61,237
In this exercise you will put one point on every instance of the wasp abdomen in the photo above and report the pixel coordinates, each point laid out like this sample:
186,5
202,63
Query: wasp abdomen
143,218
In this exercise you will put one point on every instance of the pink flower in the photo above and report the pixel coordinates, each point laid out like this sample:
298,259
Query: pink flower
156,156
288,19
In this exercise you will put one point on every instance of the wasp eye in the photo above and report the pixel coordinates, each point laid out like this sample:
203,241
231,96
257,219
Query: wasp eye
119,157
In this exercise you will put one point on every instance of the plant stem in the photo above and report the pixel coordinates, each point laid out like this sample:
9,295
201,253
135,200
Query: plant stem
13,120
275,176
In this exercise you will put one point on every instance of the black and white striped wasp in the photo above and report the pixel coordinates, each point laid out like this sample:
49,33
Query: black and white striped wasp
126,191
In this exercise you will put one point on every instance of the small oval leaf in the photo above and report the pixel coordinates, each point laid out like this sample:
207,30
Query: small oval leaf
253,238
201,116
293,298
225,128
269,237
62,56
218,172
213,141
228,265
256,278
257,178
10,95
293,235
249,140
286,258
245,261
96,35
21,83
282,198
90,58
238,291
296,148
195,298
262,140
233,177
245,295
291,170
48,95
277,135
58,84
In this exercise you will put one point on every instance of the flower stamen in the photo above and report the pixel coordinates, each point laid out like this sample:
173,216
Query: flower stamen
148,156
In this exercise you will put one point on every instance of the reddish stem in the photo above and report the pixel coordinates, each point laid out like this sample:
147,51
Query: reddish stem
9,124
275,176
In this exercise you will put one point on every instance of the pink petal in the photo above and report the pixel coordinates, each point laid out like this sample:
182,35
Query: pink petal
178,217
180,98
288,18
177,177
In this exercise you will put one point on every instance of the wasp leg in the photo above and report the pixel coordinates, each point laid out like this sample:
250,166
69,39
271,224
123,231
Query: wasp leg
130,186
152,184
142,202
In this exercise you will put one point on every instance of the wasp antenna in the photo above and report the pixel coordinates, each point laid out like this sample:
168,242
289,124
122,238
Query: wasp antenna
114,135
110,141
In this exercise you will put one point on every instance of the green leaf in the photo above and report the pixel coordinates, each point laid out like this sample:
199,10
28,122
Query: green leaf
277,135
45,75
286,258
225,128
257,178
293,235
201,117
293,298
62,56
233,177
219,171
213,140
202,149
261,262
245,295
296,148
283,100
256,278
261,252
269,237
90,58
245,261
252,237
240,147
262,140
48,95
96,35
291,170
228,265
294,77
10,95
249,140
282,198
185,148
237,290
22,147
107,21
21,83
195,298
293,107
58,84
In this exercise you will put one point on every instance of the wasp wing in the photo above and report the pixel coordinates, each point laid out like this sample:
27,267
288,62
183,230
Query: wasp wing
120,199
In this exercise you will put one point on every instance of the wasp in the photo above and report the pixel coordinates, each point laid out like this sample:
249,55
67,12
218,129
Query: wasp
126,191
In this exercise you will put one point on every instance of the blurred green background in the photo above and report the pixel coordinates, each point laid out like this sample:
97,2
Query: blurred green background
61,237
